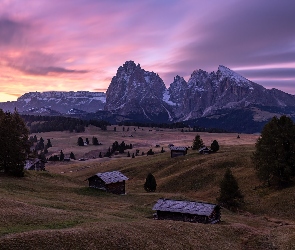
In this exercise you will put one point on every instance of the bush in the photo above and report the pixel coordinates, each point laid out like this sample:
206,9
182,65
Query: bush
150,152
214,146
150,184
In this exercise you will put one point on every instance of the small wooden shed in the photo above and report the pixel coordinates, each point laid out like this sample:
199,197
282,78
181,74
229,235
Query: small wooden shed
205,150
191,211
178,151
112,182
34,164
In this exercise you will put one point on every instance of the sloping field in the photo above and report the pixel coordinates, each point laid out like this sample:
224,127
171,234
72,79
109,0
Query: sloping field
56,209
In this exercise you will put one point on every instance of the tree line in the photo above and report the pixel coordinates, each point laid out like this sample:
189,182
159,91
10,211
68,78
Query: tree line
40,123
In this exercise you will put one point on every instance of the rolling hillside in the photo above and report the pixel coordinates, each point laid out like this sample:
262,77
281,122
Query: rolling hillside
56,209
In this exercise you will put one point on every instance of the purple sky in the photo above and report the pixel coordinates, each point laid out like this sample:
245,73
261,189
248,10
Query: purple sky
79,44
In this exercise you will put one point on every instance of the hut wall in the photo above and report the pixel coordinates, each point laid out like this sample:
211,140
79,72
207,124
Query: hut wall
164,215
215,216
96,183
116,188
175,153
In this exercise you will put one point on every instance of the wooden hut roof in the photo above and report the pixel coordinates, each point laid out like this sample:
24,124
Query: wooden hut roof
30,163
188,207
178,148
111,177
204,148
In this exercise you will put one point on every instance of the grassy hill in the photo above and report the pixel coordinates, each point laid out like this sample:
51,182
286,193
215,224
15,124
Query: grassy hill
56,209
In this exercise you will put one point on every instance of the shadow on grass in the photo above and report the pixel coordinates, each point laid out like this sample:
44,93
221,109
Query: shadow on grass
90,192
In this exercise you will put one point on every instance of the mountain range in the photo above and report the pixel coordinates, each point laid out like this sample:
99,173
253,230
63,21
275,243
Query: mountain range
134,94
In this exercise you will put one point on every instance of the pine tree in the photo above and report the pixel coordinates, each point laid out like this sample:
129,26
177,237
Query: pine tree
133,156
94,141
14,146
48,143
61,156
72,156
197,143
150,184
214,146
274,155
87,141
230,194
80,141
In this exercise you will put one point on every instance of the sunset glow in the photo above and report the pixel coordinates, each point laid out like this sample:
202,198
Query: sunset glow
78,45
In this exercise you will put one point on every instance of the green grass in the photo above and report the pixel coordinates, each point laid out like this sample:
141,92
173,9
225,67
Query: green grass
50,210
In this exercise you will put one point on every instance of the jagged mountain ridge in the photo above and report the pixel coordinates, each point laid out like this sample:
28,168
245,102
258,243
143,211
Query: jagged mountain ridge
130,92
138,95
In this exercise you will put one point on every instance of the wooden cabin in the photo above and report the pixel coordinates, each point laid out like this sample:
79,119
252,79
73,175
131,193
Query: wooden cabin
205,150
190,211
178,151
34,164
112,182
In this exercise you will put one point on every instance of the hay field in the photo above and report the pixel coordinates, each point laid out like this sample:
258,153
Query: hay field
56,209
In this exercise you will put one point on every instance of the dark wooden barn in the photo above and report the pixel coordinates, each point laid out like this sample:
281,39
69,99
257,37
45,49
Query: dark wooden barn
178,151
190,211
112,182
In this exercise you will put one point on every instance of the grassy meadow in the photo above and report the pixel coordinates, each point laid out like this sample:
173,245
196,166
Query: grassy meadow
55,209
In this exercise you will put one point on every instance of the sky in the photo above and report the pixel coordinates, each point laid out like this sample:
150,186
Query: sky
72,45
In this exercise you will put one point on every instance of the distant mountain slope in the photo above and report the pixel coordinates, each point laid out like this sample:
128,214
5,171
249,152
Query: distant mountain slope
58,101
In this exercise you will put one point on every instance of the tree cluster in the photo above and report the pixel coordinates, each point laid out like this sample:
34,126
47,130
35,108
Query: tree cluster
14,143
274,156
60,123
81,142
118,147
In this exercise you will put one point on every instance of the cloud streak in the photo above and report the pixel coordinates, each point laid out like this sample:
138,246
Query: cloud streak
78,45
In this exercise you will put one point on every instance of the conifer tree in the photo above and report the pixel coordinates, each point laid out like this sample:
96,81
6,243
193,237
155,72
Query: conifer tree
150,184
94,141
14,146
274,155
61,156
48,143
230,194
80,141
197,143
72,156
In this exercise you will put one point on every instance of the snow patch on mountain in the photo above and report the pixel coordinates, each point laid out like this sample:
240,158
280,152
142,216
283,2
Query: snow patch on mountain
166,98
227,73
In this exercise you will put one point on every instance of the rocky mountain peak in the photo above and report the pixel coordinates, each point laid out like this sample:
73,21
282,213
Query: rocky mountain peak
177,90
129,67
134,90
224,72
